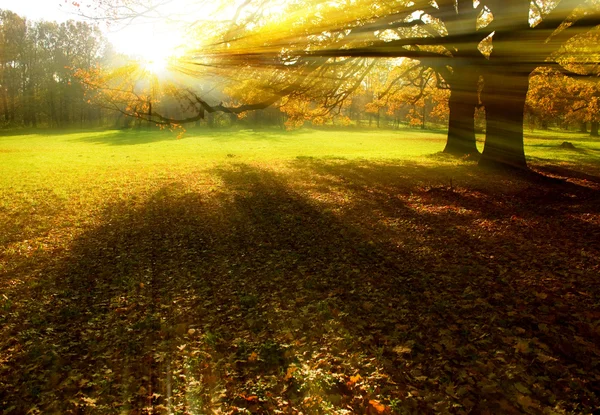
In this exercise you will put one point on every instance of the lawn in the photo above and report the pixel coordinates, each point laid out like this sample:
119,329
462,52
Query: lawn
313,271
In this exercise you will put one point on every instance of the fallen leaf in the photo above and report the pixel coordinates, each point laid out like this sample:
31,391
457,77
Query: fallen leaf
525,401
251,398
290,372
378,406
355,379
403,349
522,388
522,346
545,358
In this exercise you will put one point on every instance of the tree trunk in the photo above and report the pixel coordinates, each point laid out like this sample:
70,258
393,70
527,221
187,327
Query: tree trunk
461,126
5,104
504,100
53,115
461,123
583,127
13,106
594,129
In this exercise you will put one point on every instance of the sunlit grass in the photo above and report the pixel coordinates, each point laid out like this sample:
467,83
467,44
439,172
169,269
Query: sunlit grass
65,162
68,160
269,255
92,168
546,145
54,185
71,175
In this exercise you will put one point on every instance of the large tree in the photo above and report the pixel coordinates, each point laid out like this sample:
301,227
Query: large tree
462,41
522,42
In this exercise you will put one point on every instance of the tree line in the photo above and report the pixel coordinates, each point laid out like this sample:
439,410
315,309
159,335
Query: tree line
37,63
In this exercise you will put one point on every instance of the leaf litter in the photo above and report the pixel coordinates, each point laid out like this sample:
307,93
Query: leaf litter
314,286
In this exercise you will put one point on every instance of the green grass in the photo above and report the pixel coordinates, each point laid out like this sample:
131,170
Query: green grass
51,173
131,148
545,146
308,271
59,163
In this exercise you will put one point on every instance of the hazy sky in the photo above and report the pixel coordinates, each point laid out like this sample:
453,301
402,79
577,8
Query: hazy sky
148,38
41,9
125,40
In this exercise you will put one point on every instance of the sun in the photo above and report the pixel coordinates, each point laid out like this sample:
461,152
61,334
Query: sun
155,46
157,65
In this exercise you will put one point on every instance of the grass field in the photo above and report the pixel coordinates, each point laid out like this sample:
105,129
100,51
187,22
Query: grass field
314,271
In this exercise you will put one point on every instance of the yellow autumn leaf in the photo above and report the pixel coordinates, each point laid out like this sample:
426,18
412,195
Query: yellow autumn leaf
355,379
378,406
525,401
403,349
522,346
545,358
89,401
253,357
290,372
522,388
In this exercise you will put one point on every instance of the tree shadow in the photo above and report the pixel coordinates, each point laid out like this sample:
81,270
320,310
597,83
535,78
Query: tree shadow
558,135
350,282
520,264
130,137
267,135
583,154
17,132
222,271
570,172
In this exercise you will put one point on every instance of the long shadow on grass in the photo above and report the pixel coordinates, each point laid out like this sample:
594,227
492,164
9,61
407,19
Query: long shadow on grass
130,137
147,136
569,171
250,280
262,135
573,155
340,285
10,132
508,274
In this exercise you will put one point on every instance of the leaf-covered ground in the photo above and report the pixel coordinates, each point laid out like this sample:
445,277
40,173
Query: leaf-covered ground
313,285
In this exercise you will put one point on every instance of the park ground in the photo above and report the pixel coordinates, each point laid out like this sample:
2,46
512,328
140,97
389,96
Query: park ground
313,272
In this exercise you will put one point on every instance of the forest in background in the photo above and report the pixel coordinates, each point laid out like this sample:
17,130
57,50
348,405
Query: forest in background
37,64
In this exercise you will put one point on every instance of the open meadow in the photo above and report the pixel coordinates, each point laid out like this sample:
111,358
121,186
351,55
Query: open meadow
311,271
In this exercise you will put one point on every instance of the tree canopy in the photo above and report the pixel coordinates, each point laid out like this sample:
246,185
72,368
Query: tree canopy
277,53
